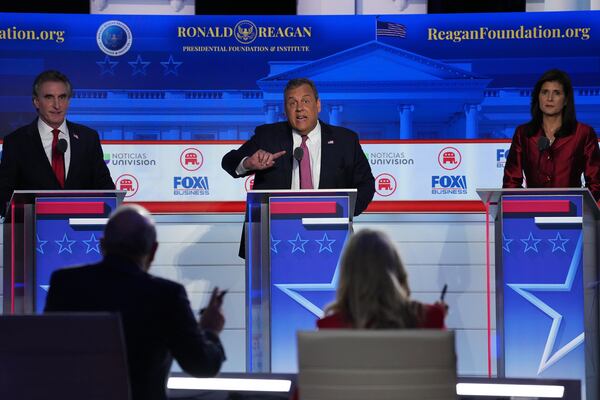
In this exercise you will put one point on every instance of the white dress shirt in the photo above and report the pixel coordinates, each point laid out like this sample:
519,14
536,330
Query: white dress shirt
47,136
314,149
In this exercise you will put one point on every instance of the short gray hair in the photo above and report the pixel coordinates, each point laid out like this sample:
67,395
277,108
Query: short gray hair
297,82
51,76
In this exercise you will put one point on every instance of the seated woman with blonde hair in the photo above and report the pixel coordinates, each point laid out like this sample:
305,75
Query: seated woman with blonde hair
373,290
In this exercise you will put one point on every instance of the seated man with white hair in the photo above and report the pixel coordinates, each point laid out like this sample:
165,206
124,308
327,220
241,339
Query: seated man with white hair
157,318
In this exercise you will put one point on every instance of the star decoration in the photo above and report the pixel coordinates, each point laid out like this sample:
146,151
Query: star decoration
107,66
171,66
298,244
561,243
505,242
325,243
40,244
65,244
274,243
531,243
524,289
92,244
139,66
292,289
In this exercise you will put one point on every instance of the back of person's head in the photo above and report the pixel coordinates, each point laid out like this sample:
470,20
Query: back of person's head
51,76
373,287
130,233
569,118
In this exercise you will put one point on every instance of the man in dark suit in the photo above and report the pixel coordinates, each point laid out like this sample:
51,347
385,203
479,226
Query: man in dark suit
157,319
31,154
336,159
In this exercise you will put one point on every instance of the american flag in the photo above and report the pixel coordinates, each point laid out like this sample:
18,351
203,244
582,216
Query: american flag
390,29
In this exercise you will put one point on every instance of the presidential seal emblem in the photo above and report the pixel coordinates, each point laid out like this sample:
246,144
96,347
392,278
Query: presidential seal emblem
114,38
245,31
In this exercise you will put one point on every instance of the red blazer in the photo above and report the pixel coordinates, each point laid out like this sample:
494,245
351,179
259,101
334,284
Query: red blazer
559,166
433,318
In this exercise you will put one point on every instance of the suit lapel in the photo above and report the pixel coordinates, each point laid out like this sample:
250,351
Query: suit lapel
75,145
327,174
38,153
286,143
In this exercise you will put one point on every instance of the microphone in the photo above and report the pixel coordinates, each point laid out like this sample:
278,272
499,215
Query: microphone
298,154
62,145
543,143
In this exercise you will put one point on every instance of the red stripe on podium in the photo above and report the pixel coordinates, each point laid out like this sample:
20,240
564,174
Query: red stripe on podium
304,207
70,207
536,206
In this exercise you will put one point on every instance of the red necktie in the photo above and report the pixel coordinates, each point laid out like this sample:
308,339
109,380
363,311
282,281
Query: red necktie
305,172
58,160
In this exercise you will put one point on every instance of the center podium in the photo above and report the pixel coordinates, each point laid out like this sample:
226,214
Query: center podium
294,240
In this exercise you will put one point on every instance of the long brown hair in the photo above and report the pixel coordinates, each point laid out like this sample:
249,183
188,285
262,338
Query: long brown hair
373,287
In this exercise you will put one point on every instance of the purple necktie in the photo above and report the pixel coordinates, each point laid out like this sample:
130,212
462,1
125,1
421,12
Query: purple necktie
305,173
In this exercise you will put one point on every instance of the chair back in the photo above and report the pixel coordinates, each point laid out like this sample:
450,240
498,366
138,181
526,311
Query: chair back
341,364
63,357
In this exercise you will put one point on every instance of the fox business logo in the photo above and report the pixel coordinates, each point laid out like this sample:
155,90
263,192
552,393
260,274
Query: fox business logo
448,184
245,32
501,156
190,186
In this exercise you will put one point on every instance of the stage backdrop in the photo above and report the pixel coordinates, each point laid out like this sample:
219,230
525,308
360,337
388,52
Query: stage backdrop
434,98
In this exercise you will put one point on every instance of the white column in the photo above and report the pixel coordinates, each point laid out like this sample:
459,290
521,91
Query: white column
335,114
472,120
406,120
325,7
564,5
271,113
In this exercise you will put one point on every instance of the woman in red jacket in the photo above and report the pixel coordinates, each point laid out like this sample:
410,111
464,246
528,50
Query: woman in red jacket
553,150
373,290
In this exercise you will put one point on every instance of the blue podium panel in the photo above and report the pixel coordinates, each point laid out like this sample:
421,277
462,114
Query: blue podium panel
307,237
293,243
68,232
544,316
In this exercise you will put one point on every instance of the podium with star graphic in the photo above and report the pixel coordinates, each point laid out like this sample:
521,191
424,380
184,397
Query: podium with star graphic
546,283
48,230
294,240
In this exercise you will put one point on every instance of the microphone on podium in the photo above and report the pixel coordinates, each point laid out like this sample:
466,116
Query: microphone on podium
543,143
62,145
298,154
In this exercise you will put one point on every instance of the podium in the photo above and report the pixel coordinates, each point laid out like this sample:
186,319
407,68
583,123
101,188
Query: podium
546,283
294,240
47,230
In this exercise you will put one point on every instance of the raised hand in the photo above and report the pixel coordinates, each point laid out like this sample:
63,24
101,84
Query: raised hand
262,160
211,317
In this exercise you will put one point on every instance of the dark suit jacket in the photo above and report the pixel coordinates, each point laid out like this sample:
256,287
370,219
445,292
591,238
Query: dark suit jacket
559,166
157,320
343,162
24,164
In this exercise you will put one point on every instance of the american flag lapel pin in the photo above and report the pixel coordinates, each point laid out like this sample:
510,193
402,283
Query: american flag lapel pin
330,142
